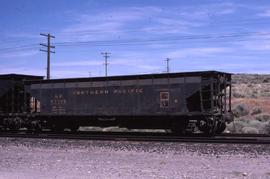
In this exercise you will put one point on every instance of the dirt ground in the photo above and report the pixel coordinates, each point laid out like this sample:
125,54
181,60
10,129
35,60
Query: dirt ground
37,158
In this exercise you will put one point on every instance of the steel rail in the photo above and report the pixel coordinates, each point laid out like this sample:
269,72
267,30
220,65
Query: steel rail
147,137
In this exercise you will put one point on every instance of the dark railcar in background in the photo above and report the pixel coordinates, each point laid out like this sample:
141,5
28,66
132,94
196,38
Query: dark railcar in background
13,98
178,101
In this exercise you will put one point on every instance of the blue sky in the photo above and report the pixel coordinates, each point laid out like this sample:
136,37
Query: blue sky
231,36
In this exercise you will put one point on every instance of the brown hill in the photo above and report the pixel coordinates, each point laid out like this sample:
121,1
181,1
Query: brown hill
251,104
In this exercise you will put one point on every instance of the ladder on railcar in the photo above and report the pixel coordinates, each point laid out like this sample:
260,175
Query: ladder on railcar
210,94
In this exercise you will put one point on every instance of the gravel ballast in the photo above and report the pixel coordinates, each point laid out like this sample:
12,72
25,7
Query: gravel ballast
45,158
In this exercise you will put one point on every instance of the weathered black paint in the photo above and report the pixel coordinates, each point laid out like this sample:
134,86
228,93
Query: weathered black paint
116,100
12,95
166,101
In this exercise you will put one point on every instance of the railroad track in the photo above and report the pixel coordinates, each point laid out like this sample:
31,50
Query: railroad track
154,137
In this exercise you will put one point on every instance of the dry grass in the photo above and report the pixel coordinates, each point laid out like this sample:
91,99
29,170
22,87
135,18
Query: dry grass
262,103
251,92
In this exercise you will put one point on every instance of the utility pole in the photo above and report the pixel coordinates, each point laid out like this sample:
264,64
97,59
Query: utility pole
106,56
168,65
48,50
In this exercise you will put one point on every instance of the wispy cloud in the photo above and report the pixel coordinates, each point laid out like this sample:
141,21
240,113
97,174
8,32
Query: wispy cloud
257,42
266,13
22,70
112,20
75,63
56,73
198,52
134,63
68,74
257,45
125,22
107,24
15,54
137,63
141,37
207,11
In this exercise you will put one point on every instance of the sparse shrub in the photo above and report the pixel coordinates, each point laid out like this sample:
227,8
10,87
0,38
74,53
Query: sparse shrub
248,126
245,119
267,128
263,117
250,130
236,126
252,113
238,95
266,80
255,111
260,126
250,85
240,110
254,96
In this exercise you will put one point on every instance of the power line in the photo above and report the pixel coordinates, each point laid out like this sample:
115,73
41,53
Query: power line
19,47
106,56
172,40
191,37
67,48
49,46
231,23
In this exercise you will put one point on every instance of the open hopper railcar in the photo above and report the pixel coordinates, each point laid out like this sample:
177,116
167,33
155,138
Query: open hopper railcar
180,102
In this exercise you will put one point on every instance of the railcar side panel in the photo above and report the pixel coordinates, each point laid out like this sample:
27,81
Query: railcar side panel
128,98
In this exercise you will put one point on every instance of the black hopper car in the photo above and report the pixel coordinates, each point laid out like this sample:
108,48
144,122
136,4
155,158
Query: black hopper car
181,102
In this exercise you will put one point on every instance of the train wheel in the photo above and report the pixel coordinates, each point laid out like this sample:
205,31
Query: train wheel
221,127
56,128
14,128
36,126
74,128
178,131
209,132
209,127
13,124
179,127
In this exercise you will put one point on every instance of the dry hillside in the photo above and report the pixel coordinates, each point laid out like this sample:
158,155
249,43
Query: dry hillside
251,104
